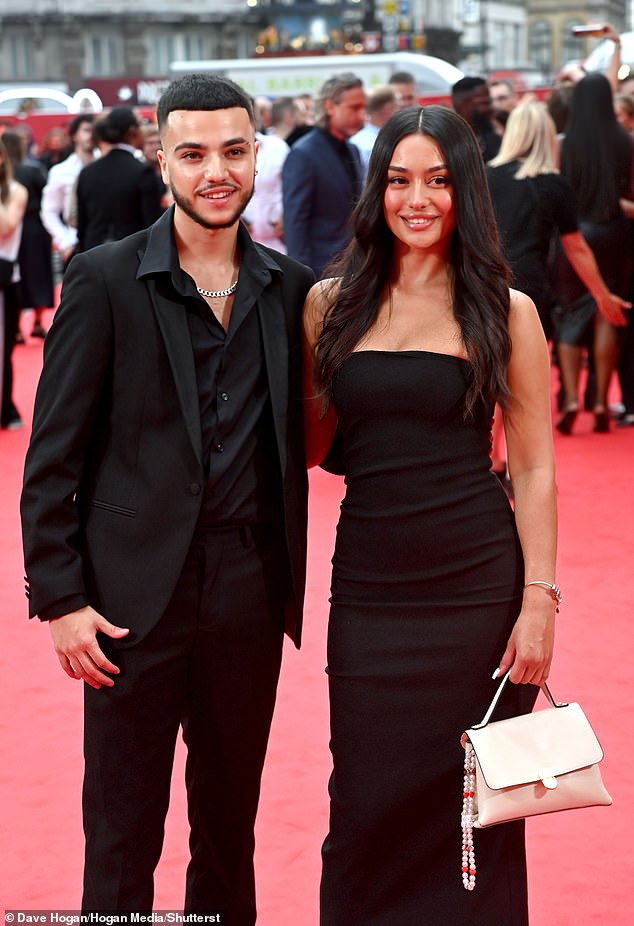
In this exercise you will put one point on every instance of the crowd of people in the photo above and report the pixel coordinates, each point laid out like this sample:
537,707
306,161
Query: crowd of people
312,164
366,308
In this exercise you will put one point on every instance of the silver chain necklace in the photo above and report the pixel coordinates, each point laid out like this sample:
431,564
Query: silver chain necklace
217,293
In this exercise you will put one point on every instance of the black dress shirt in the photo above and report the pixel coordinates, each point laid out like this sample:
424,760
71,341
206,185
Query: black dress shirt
238,440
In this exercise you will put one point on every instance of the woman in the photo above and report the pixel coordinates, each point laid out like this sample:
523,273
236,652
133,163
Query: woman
13,197
596,159
35,256
412,344
533,203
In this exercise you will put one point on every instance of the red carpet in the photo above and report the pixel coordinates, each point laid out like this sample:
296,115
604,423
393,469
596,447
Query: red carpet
581,869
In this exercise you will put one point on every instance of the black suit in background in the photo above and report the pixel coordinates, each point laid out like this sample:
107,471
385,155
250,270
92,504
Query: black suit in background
116,197
114,515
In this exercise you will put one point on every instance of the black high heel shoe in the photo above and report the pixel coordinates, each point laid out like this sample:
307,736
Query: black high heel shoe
567,421
601,421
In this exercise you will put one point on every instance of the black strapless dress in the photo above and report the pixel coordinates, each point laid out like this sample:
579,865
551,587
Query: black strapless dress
426,586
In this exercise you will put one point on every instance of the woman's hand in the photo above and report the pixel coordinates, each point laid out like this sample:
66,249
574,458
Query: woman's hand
529,651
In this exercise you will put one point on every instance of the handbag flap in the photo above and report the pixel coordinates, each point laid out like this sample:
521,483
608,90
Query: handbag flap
534,747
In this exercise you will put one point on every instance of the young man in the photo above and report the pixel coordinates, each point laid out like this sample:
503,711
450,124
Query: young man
164,510
60,183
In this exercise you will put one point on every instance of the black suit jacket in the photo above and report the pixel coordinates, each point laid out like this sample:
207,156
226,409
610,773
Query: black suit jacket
114,473
117,195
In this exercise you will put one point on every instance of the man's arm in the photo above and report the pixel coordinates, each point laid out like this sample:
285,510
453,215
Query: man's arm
52,209
76,363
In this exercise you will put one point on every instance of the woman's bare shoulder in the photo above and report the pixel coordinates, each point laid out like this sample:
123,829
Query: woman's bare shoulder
320,297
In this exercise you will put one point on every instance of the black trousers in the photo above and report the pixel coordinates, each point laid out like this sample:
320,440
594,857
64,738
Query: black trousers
211,665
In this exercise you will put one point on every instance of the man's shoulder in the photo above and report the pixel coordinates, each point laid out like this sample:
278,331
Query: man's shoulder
310,142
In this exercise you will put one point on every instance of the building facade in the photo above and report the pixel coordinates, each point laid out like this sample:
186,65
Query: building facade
123,49
551,43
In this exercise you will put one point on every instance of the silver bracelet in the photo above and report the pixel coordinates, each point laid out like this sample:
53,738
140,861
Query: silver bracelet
555,591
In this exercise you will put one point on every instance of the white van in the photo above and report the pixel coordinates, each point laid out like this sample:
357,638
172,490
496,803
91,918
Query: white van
275,77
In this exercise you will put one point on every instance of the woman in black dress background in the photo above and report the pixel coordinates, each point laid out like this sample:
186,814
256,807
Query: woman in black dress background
412,343
597,159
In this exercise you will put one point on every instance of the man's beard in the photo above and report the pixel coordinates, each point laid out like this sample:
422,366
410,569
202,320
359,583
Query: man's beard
189,210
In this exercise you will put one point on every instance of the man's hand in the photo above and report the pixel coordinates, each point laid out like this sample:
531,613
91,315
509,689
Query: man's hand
75,641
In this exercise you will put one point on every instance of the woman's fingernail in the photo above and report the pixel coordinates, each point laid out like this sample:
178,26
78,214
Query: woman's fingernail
496,673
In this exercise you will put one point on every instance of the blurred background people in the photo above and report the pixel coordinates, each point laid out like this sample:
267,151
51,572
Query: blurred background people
305,118
35,254
381,102
597,160
117,193
264,214
150,148
533,202
405,88
60,182
55,147
13,200
322,176
503,95
471,99
624,111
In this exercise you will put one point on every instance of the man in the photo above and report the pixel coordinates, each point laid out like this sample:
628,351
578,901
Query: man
60,183
263,215
164,510
322,175
503,95
150,148
381,103
117,194
471,99
405,88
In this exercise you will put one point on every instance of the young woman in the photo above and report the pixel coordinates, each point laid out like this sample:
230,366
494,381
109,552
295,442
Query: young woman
412,343
13,198
533,203
597,160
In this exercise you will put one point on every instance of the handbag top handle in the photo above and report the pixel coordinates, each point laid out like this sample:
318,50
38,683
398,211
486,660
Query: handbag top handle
544,687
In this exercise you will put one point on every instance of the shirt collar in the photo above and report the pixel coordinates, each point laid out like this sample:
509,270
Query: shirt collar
161,255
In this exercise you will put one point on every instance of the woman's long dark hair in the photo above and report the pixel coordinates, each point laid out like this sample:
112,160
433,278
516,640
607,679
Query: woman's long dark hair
596,153
479,273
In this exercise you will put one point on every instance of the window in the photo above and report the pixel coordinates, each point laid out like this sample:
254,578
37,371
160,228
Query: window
572,47
163,49
541,45
104,56
17,58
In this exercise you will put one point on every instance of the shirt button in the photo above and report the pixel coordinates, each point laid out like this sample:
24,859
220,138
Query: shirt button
224,396
220,447
194,488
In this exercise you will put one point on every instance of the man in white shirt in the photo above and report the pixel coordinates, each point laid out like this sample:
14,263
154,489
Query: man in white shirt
381,102
57,194
263,215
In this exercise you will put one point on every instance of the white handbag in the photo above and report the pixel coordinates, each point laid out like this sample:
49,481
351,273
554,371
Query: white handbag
532,764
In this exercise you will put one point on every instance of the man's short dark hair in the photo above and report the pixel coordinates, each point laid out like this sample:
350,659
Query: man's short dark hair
202,92
78,120
117,123
465,86
401,77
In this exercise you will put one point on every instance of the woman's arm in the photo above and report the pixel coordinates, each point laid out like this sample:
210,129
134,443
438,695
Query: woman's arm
528,429
319,425
585,265
12,211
